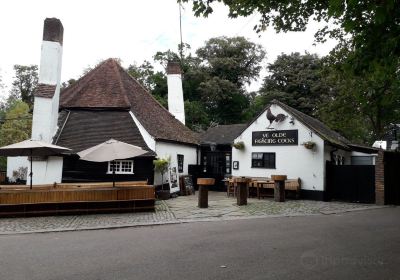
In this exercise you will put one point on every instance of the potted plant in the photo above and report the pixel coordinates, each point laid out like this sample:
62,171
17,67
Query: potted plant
309,145
238,145
161,165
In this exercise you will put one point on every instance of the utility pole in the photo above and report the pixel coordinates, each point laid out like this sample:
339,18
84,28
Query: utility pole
180,29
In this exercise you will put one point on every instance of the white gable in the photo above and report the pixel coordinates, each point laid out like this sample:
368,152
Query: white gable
295,161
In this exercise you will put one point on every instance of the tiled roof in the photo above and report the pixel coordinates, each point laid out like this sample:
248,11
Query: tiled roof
109,86
313,124
43,90
317,126
82,129
222,134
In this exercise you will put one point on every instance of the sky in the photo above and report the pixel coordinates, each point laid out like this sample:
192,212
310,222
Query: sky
131,30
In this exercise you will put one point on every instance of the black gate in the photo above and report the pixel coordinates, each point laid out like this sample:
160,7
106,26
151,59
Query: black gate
392,178
351,183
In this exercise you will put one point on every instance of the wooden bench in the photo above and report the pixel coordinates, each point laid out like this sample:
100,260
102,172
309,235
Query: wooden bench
257,184
291,185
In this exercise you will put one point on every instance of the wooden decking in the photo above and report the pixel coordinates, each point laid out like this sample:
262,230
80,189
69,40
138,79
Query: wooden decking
76,199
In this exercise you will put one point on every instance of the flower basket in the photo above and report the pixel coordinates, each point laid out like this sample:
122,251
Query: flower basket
309,145
238,145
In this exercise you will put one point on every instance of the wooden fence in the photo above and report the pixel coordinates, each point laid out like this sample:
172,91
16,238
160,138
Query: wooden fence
75,198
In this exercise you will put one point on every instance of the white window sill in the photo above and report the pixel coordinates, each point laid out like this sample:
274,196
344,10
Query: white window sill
121,173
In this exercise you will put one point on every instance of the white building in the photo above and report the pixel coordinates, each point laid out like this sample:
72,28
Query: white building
282,140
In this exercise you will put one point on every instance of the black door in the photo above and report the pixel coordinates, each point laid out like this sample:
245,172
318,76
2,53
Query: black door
351,183
217,165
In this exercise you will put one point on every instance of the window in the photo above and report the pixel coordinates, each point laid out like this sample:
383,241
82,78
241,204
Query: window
362,160
339,160
180,163
204,164
121,167
263,160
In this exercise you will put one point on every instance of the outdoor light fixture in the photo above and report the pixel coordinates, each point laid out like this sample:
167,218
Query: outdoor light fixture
213,147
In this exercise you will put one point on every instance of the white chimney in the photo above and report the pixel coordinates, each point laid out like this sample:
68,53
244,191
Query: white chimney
47,95
176,105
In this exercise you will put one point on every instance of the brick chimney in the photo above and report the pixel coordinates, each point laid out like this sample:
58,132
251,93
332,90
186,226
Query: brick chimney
176,105
47,95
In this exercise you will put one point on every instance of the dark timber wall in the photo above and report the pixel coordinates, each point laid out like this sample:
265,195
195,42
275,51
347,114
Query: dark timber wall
75,170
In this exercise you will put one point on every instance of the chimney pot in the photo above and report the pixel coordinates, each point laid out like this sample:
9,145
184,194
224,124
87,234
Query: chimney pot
53,30
174,67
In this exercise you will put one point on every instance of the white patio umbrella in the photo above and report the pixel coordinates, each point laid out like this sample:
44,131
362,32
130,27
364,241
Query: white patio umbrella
32,148
110,151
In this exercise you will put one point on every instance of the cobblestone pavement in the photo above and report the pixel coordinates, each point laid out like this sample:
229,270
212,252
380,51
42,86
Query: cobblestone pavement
178,210
220,207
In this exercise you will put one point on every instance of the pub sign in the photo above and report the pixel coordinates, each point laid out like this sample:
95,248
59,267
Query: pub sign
275,138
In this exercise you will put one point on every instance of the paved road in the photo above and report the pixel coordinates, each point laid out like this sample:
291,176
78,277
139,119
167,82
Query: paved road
356,245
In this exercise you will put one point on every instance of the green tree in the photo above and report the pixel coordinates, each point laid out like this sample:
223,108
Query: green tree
67,83
368,35
371,101
25,82
229,64
296,80
234,59
161,166
16,126
213,80
154,81
373,26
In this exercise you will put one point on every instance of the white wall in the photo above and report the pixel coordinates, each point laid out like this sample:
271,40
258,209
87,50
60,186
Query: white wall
45,114
176,105
148,139
293,161
47,172
45,110
164,150
50,63
44,172
42,125
14,163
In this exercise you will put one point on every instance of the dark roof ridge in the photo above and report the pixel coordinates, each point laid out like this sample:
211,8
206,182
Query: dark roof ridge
127,109
116,67
341,142
221,134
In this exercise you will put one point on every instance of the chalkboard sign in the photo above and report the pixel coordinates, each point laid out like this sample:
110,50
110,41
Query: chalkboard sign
187,187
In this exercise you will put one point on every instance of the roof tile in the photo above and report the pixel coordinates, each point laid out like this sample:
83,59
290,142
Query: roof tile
109,86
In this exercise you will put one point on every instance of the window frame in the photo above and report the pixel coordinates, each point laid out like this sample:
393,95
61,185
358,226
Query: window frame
119,164
180,163
265,162
228,163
